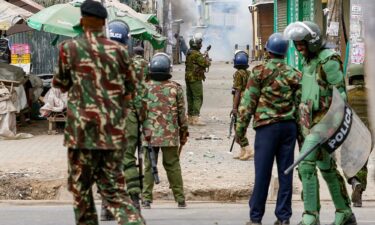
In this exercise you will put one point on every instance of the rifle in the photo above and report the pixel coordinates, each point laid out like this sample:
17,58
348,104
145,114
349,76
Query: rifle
152,158
233,119
205,55
140,154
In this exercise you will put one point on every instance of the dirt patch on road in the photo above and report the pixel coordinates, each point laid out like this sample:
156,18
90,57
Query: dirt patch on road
19,186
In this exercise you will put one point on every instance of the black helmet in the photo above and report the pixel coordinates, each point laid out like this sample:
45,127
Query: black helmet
241,58
196,41
277,44
305,31
119,31
160,64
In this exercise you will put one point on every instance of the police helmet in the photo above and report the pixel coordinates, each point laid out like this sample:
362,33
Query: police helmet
241,58
277,44
196,41
119,31
160,64
305,31
356,72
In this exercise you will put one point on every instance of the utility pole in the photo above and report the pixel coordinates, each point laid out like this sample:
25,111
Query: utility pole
334,24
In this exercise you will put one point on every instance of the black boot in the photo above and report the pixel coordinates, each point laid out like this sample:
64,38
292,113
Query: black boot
357,193
135,198
105,214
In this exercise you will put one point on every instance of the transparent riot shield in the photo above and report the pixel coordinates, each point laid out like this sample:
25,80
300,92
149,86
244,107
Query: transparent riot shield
341,127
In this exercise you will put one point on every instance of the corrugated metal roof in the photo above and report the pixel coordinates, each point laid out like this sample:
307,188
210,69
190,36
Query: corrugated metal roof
259,2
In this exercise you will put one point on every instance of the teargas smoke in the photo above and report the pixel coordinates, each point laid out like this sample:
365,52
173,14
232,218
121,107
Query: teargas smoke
223,23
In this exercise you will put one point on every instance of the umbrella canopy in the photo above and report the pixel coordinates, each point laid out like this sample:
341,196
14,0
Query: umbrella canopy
11,14
63,19
150,18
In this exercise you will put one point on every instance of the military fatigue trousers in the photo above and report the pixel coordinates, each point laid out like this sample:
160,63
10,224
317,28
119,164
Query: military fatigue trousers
105,168
133,184
171,163
194,96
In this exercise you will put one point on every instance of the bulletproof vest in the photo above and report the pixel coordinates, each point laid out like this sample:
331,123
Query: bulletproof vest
357,99
312,80
4,51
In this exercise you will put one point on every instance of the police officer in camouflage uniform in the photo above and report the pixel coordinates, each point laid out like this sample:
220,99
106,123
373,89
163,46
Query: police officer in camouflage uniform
270,97
240,77
165,127
93,70
196,65
322,70
119,31
134,121
357,99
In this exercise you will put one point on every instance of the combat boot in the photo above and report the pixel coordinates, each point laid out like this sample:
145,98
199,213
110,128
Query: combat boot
249,153
105,214
242,153
197,121
357,193
345,217
190,120
135,198
146,204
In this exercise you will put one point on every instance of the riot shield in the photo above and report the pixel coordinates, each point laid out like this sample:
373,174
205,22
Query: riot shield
341,127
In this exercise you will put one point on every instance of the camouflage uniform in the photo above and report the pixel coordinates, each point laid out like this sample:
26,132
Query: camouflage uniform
196,65
165,123
270,96
240,78
95,126
357,99
133,120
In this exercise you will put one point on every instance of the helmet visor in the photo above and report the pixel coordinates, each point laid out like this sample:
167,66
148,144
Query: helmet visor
296,32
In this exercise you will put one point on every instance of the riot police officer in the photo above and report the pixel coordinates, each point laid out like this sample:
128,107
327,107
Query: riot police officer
196,64
270,97
240,77
322,70
119,31
357,99
165,128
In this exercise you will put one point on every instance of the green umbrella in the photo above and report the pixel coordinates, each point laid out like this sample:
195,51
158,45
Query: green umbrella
63,19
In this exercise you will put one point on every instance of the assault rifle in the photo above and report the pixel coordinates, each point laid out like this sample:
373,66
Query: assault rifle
140,153
152,158
233,119
206,56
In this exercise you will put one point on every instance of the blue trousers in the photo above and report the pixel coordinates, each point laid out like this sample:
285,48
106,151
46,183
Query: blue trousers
272,141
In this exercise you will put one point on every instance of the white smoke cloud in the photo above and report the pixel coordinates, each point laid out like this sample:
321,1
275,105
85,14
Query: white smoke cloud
229,24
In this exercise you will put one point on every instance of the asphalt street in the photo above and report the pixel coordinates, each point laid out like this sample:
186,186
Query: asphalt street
166,213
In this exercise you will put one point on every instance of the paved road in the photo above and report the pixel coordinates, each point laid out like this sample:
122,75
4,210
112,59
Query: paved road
166,213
